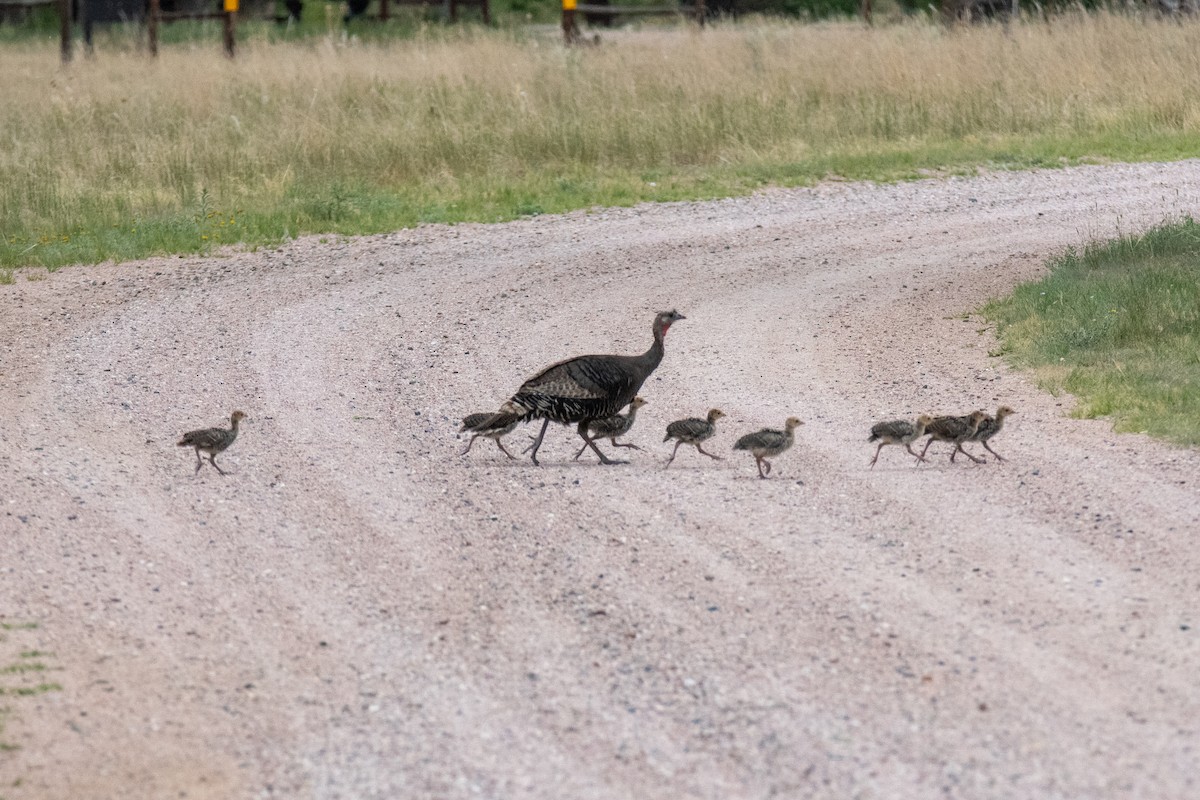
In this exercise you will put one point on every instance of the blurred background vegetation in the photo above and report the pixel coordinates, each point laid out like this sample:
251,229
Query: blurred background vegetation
317,16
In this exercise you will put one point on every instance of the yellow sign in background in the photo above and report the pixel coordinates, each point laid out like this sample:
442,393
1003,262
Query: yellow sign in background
231,6
568,5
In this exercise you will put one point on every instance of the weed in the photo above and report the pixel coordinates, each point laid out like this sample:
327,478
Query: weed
20,668
1117,324
30,691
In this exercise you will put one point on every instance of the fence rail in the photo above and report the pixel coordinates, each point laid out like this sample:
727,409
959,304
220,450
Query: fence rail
570,8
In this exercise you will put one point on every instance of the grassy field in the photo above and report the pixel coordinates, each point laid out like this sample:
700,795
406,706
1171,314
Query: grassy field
119,156
1118,326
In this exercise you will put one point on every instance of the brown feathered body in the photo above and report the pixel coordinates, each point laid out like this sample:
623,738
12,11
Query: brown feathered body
478,424
212,440
585,388
617,424
989,427
612,427
954,430
768,442
693,431
898,431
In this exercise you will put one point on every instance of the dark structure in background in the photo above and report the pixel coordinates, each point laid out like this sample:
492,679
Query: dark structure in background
20,10
93,12
90,13
603,12
154,13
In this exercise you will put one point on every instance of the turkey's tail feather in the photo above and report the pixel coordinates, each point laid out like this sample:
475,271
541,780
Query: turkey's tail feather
470,421
509,414
497,421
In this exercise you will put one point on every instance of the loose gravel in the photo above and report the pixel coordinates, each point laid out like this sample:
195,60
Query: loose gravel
357,611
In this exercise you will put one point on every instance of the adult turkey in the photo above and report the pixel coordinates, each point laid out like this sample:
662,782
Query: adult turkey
585,388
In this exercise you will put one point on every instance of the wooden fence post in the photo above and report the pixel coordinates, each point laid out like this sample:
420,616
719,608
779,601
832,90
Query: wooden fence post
152,28
64,30
229,20
569,26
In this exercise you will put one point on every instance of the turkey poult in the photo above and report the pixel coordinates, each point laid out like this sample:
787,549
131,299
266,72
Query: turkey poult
612,427
989,427
475,424
768,442
693,431
899,431
585,388
955,430
212,440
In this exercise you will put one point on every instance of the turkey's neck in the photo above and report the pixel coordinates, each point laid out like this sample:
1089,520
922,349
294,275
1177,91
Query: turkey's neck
653,357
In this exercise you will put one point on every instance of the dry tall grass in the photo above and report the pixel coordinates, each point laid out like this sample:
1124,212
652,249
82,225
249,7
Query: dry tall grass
450,118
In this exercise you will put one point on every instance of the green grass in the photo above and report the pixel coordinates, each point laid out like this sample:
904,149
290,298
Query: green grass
120,157
17,678
5,747
364,207
1118,326
30,691
21,668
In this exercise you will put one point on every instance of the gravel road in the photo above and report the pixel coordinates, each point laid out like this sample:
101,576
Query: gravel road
357,611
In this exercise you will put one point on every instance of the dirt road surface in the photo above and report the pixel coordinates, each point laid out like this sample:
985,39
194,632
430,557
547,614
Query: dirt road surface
357,611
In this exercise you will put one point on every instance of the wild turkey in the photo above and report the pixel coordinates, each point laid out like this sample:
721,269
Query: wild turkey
990,427
693,431
612,427
899,431
768,442
475,422
212,440
956,430
585,388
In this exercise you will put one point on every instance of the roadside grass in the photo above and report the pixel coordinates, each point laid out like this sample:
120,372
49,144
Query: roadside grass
23,674
1117,324
120,157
